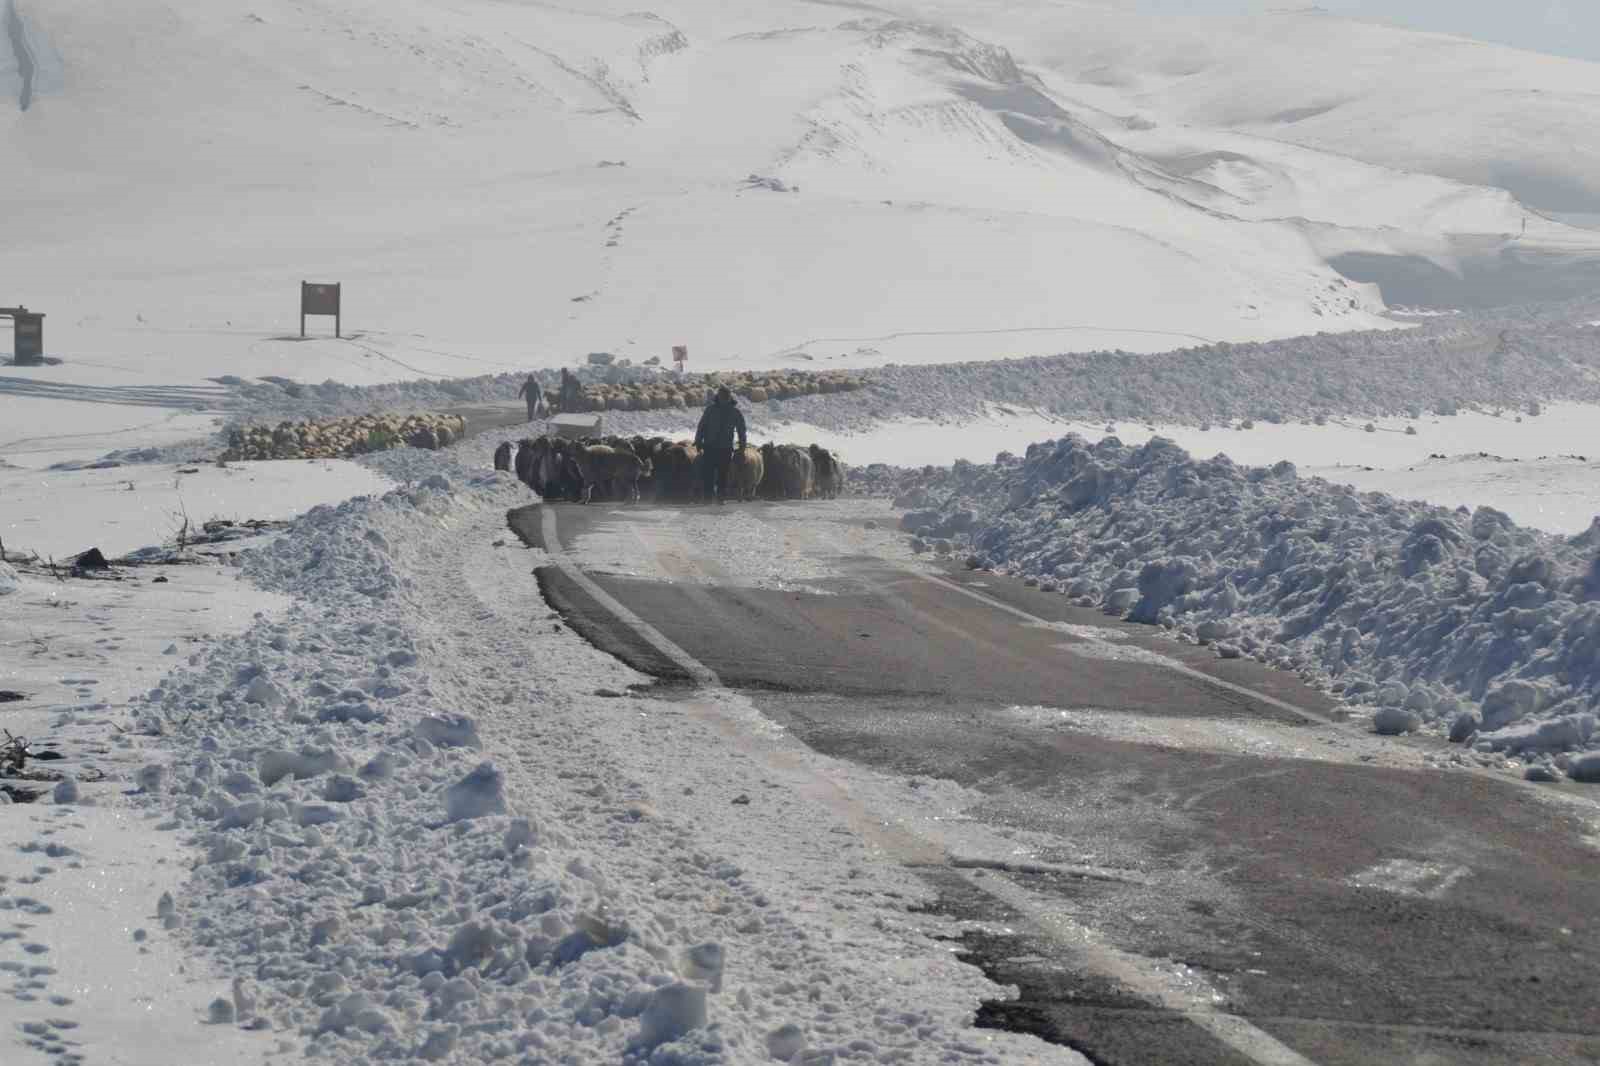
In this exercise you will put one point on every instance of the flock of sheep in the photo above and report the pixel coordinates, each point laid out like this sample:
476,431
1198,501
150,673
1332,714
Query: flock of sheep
627,468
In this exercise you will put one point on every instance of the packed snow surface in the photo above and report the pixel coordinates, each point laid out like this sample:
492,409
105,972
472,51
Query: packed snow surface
120,508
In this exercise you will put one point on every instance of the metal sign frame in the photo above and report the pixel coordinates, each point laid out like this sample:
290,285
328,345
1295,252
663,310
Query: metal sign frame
318,298
27,333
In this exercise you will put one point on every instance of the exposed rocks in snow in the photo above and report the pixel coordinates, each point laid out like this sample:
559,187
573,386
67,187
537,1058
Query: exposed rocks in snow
1438,619
1585,768
1392,721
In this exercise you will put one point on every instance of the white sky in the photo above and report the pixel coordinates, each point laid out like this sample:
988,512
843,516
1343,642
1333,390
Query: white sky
1562,27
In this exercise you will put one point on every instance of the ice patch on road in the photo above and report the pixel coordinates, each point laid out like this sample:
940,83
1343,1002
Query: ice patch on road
1114,653
1410,877
1262,738
1073,629
752,545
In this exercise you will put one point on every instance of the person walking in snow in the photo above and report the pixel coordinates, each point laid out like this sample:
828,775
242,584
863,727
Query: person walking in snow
535,395
720,423
571,391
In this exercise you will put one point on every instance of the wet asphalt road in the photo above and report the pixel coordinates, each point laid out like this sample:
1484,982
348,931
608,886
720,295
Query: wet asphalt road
1356,913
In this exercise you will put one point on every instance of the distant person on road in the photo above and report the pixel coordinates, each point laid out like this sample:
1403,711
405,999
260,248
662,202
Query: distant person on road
719,425
535,395
571,391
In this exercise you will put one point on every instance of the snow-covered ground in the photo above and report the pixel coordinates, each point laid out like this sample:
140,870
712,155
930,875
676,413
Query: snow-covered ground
400,817
62,512
354,792
518,185
86,968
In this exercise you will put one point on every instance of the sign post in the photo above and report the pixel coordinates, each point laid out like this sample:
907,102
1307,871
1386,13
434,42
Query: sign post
27,332
317,299
680,355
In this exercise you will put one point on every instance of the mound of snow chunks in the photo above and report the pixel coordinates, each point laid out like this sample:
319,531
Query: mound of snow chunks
1455,621
362,872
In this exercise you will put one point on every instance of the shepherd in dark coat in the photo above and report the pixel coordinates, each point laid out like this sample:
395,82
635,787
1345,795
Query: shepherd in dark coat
714,437
535,395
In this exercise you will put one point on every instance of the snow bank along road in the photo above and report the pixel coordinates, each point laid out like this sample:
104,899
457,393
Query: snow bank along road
384,807
1175,858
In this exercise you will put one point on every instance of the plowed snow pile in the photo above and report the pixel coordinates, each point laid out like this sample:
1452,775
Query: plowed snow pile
416,842
1432,618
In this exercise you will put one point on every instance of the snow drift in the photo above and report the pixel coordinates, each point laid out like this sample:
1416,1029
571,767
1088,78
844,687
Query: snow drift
1454,620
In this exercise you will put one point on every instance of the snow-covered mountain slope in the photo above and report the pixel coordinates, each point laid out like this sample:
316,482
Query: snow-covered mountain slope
503,185
1468,110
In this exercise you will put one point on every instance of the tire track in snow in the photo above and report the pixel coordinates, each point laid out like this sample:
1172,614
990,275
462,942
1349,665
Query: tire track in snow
984,333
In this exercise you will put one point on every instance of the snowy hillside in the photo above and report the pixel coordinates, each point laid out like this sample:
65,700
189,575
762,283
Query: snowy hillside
1467,110
503,184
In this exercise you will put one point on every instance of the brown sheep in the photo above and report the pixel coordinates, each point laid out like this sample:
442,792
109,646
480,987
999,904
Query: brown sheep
599,463
745,473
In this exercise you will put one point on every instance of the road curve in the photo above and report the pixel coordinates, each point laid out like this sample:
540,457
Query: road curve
1337,910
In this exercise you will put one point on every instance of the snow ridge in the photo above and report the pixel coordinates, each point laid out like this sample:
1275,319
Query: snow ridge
1503,359
416,845
1451,620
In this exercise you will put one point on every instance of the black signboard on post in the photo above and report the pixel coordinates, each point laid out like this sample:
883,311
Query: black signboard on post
29,336
27,331
318,299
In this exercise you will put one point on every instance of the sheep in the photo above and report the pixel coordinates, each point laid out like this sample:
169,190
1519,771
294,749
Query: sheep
829,472
502,456
676,472
559,477
600,463
745,473
771,487
525,461
789,472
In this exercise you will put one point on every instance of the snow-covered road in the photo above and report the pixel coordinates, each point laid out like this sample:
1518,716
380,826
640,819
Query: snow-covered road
1096,801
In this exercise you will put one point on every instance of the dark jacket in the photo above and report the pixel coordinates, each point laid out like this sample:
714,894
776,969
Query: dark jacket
719,424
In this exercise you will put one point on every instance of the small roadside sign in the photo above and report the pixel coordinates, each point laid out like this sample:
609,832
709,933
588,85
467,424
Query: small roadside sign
320,299
27,331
